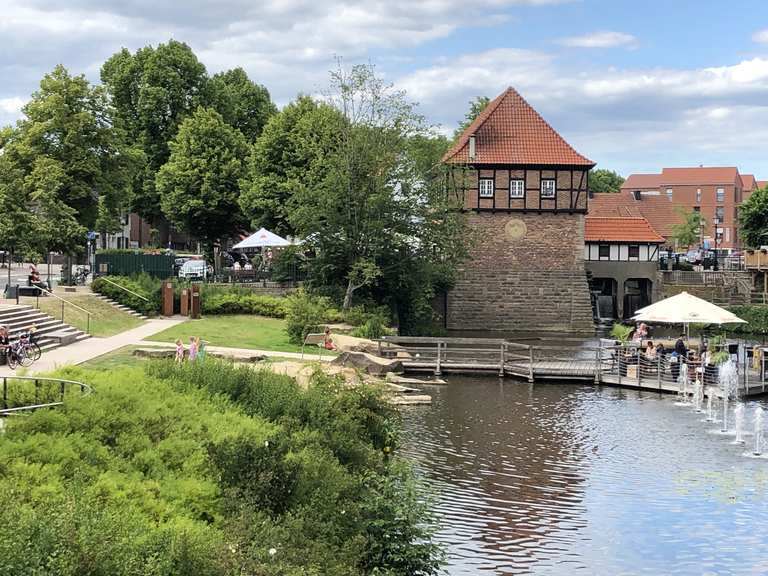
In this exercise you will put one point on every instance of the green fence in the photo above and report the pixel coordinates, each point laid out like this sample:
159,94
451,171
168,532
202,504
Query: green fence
129,263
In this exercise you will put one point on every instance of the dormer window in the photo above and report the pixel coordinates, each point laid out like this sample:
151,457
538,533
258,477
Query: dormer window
486,187
548,188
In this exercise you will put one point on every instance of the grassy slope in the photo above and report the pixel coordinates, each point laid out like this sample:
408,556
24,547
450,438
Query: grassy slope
106,320
235,331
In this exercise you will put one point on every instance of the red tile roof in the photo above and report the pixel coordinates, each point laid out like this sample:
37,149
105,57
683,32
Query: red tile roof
510,131
642,182
762,183
700,175
608,229
748,181
658,210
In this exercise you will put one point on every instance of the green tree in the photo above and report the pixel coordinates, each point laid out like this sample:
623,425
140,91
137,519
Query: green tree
289,157
199,185
476,106
374,219
242,103
63,158
153,91
107,220
603,180
753,219
689,231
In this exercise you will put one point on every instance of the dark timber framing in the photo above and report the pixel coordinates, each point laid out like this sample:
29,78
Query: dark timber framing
463,181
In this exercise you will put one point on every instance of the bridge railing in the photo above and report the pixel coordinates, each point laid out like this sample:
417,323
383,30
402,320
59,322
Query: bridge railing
25,393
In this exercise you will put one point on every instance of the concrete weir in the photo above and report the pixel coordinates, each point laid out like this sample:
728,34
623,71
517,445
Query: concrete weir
606,364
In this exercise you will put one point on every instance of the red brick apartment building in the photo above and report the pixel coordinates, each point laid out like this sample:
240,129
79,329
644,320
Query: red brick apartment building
524,189
716,192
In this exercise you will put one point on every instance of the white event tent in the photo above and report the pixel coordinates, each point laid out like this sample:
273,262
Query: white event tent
261,239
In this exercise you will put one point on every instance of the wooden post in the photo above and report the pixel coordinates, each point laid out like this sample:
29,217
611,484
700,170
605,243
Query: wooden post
185,302
167,299
194,311
530,365
437,365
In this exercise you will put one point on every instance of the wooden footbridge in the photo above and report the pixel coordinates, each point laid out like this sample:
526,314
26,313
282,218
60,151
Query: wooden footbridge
602,363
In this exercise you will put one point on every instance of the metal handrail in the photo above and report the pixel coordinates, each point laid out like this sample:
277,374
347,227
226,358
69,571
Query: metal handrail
124,288
85,390
63,301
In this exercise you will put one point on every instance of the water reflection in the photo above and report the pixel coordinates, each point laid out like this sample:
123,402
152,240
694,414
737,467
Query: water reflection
563,479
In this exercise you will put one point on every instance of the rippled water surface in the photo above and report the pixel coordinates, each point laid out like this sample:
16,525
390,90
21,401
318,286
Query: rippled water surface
574,479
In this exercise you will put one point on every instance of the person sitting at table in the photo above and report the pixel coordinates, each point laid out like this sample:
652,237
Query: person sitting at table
236,265
650,350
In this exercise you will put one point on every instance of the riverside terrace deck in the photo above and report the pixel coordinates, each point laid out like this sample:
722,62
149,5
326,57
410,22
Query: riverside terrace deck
602,363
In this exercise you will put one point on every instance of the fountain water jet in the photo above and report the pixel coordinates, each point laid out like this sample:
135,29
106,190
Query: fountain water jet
682,381
710,409
758,450
728,380
738,416
698,395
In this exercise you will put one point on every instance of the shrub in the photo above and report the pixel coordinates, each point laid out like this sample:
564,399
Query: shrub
756,316
238,303
142,284
305,313
371,322
621,331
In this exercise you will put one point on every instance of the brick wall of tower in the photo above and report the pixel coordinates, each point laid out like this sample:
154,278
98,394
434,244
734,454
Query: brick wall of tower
525,272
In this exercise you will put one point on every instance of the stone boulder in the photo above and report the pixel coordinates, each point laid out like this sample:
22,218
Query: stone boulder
369,363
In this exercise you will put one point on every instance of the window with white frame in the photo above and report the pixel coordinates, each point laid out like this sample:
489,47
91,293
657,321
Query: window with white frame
548,188
698,196
669,193
486,187
517,188
720,195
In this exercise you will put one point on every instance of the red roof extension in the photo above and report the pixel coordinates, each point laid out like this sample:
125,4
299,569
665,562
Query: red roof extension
609,229
657,210
642,182
510,131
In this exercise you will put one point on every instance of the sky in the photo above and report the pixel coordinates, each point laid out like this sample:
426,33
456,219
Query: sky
633,85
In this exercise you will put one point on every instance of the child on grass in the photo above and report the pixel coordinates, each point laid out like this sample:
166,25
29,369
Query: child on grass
179,351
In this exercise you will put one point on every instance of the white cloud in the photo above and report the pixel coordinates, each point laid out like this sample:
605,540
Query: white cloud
761,36
631,120
603,39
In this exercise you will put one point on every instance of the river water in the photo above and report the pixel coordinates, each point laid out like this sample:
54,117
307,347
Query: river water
563,479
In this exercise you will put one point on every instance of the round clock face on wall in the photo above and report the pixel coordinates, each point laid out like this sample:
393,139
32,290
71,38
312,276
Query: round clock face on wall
515,229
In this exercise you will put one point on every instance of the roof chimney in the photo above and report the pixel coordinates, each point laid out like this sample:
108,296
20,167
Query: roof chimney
472,151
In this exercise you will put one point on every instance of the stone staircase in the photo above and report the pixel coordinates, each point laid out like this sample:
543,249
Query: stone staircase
121,307
51,333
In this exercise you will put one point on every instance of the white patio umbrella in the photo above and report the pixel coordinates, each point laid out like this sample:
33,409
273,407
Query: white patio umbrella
262,239
685,309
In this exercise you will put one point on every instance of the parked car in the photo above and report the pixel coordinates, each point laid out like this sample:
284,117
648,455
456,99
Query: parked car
194,270
178,263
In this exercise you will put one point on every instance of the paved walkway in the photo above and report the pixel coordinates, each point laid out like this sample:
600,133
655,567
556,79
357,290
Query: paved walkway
91,348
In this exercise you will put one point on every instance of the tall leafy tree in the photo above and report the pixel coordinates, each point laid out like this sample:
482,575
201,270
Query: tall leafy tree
153,91
602,180
373,218
289,157
199,185
63,157
242,103
753,219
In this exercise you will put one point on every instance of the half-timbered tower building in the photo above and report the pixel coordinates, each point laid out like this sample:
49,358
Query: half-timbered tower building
524,189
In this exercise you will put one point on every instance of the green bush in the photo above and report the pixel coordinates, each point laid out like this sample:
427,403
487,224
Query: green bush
143,285
370,322
211,469
756,316
621,331
238,303
305,312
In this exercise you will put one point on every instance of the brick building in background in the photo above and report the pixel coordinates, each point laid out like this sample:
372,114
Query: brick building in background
715,192
524,190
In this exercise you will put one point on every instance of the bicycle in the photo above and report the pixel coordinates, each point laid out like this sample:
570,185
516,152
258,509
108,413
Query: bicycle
17,356
31,348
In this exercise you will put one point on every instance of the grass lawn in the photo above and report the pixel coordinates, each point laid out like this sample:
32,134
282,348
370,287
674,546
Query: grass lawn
115,359
106,320
235,331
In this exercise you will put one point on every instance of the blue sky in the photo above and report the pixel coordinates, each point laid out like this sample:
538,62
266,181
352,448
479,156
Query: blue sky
635,86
